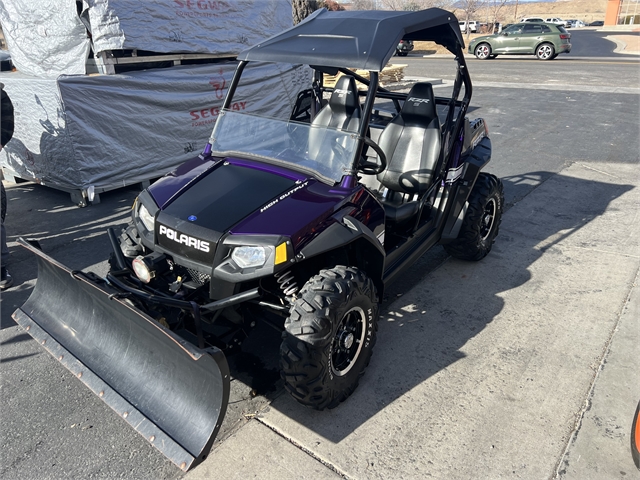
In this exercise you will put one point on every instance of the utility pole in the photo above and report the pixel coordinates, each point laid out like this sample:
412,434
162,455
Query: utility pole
515,14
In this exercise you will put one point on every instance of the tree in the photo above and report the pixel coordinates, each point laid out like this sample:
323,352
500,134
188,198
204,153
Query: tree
301,9
330,5
469,9
494,7
363,5
413,5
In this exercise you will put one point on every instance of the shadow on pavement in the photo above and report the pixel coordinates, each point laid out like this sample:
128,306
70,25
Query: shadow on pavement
75,236
421,336
421,332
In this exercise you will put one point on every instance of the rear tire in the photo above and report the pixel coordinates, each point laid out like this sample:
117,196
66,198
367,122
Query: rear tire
482,221
482,51
545,52
329,337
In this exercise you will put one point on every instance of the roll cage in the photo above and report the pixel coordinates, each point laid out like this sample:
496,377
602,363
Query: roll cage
338,42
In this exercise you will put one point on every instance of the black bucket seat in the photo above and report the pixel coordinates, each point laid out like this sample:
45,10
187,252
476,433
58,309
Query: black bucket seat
343,112
412,143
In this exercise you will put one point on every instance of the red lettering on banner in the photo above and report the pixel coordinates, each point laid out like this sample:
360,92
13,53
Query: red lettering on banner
202,4
211,114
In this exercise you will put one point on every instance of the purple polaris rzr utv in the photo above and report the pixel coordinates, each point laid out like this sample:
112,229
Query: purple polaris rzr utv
300,222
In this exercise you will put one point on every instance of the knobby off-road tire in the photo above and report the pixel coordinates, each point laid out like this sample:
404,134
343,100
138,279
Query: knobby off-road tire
329,337
482,221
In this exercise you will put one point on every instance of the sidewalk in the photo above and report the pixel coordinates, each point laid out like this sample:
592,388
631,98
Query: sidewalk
523,365
626,44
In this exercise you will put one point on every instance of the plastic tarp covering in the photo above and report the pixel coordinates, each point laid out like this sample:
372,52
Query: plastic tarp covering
45,37
186,26
106,131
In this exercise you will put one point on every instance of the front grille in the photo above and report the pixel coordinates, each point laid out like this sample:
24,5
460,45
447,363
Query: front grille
198,277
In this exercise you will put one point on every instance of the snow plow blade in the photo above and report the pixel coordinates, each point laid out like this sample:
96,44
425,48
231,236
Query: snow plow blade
168,390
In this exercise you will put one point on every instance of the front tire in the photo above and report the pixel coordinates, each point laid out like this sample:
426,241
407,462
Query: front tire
545,52
329,337
482,221
482,51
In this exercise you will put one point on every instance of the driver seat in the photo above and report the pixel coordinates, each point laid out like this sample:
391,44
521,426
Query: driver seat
412,144
342,112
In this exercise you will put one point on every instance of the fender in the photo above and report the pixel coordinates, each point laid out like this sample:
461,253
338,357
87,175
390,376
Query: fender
349,232
471,166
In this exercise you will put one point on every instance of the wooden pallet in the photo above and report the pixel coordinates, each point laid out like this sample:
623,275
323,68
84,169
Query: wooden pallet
106,62
390,74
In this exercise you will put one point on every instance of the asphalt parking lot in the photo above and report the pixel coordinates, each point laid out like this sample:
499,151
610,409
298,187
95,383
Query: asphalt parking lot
523,365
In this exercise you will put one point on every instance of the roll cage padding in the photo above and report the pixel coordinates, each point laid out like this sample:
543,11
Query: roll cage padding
412,143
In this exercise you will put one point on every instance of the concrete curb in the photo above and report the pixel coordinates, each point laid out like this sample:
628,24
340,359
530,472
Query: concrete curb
621,46
599,447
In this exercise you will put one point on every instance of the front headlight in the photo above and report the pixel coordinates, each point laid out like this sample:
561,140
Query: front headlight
146,218
249,257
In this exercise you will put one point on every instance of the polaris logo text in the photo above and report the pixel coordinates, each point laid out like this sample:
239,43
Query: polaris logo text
341,92
418,100
184,239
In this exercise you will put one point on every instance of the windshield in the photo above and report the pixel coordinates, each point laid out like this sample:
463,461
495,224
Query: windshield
325,152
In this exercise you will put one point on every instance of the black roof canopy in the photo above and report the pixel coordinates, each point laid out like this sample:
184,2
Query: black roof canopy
356,39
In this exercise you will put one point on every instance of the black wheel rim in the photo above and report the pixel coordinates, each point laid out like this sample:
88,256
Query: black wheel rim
348,341
488,218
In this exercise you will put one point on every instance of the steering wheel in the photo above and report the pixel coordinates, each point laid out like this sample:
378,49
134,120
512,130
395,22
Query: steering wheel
372,168
338,149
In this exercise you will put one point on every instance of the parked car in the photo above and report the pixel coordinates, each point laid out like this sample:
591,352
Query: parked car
546,41
573,23
597,23
556,21
404,47
473,26
532,20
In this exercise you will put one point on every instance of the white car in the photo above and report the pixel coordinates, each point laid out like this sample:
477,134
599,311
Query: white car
557,21
532,20
575,23
473,26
